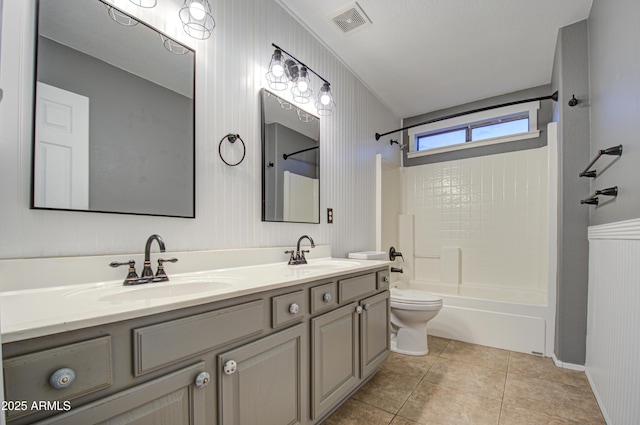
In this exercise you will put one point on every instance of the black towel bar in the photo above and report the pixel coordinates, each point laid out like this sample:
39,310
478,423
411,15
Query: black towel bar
593,199
615,150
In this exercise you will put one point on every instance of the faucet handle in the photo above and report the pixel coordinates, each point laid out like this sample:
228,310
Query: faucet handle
168,260
161,275
302,259
292,258
132,276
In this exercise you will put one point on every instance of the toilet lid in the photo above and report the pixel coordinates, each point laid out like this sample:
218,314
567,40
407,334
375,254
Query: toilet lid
414,296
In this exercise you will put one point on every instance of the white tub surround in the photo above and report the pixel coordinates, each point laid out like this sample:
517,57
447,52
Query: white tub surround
37,312
482,233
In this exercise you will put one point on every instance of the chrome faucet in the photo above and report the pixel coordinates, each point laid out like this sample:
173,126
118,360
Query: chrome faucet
297,256
147,275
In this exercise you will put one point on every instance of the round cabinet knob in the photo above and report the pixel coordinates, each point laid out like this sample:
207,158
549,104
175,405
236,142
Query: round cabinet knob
294,308
326,297
358,310
62,378
386,279
366,307
202,380
230,367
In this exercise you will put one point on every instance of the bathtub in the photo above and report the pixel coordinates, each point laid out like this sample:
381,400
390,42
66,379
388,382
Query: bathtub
519,321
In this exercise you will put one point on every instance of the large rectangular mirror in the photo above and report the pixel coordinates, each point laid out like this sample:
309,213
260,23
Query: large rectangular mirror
113,114
290,162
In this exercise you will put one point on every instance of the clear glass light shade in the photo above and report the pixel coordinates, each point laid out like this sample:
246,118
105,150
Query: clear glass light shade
276,76
120,17
197,20
145,3
325,104
301,89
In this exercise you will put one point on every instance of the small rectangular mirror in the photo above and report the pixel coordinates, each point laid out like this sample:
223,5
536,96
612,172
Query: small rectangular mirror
290,162
113,114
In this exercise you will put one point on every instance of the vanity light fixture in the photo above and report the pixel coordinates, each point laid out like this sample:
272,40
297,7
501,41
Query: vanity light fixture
282,71
276,77
196,17
325,103
301,89
197,20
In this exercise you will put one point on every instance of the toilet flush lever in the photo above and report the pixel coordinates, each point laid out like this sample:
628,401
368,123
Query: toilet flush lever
393,254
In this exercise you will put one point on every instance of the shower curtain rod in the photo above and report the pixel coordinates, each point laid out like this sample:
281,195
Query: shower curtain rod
285,155
554,97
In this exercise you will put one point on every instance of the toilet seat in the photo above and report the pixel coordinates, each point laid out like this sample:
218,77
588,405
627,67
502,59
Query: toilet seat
414,299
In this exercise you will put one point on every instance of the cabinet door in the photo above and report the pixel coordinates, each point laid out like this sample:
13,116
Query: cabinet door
265,382
374,333
334,357
173,399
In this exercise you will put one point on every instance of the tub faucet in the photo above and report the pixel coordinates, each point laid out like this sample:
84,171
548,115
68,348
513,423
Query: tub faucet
297,256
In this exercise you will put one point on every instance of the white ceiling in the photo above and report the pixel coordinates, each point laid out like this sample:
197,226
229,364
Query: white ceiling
420,56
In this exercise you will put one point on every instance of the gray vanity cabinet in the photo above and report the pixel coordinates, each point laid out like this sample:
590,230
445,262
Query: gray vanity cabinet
265,382
283,356
334,357
375,341
177,399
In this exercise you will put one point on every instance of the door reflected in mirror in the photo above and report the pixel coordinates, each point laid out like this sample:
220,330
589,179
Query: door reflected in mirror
290,162
114,114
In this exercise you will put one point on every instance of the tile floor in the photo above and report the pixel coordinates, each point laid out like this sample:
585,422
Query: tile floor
462,383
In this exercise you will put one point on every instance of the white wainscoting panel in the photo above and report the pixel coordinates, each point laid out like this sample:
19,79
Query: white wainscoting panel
613,322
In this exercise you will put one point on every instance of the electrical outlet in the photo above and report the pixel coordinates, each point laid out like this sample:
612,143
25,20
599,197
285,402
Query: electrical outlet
330,215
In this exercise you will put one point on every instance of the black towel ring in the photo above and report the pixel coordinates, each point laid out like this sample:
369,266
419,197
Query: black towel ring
232,139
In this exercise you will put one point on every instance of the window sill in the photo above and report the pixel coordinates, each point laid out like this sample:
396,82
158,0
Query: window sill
479,143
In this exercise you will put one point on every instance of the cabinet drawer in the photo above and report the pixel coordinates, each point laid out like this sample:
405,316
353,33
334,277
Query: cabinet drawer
160,345
383,280
323,297
30,374
287,308
355,287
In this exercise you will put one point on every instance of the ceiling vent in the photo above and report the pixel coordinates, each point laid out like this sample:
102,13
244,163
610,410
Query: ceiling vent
350,18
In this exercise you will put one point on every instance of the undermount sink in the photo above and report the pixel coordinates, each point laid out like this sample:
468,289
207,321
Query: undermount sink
176,287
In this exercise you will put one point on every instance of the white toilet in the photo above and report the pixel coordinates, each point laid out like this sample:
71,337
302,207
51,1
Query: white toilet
411,309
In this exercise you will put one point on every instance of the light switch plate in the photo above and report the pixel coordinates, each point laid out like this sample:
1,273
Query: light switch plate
330,215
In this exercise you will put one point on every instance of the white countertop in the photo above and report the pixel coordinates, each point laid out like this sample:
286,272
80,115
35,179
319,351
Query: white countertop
39,312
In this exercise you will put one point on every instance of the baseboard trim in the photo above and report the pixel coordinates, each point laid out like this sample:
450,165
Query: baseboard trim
566,365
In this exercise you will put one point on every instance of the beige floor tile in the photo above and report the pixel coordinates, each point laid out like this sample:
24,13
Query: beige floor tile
404,364
436,345
399,420
467,377
398,377
552,398
434,404
354,412
494,358
544,368
513,415
388,390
